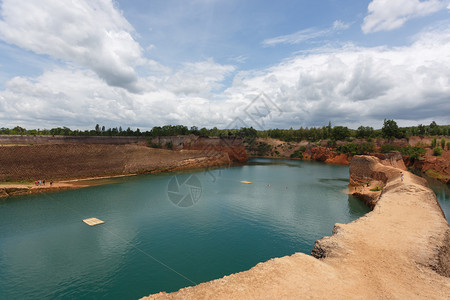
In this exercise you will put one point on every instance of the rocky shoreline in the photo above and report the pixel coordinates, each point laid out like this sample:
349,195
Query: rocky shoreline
401,250
432,166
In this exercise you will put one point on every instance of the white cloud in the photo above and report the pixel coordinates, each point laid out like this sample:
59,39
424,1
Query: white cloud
354,85
200,78
385,15
82,98
306,34
349,85
91,33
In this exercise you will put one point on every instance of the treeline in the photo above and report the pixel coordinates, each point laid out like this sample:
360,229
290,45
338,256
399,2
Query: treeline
167,130
389,130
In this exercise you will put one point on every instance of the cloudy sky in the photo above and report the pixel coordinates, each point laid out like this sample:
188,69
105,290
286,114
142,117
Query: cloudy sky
224,63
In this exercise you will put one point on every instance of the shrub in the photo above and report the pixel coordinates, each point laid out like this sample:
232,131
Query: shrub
376,189
297,154
433,143
331,144
437,151
302,149
388,148
412,152
356,149
263,149
448,145
443,143
169,145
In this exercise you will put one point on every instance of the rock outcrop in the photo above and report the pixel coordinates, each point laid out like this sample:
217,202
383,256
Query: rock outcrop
400,250
436,167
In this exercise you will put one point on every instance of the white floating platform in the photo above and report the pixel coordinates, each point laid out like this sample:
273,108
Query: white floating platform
93,221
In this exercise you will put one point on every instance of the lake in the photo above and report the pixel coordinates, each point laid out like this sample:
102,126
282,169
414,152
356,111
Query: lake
167,231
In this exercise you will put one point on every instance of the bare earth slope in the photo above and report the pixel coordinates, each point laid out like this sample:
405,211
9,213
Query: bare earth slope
85,160
400,250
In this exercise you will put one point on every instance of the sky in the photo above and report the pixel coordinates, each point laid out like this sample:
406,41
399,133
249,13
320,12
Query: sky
223,63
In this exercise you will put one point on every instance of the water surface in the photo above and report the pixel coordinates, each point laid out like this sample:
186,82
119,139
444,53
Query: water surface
442,192
148,244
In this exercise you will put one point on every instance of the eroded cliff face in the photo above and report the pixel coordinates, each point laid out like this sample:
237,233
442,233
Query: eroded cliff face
400,250
87,160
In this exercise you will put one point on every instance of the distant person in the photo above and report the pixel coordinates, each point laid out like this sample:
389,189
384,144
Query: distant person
43,182
401,176
51,182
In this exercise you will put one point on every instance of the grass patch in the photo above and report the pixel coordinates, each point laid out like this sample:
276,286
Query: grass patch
375,189
434,174
15,182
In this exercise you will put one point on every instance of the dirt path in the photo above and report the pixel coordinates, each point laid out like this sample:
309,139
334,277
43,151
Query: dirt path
390,253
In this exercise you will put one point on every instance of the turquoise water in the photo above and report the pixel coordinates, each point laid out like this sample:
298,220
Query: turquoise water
442,192
156,238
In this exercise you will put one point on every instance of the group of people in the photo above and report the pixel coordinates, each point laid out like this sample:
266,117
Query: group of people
42,182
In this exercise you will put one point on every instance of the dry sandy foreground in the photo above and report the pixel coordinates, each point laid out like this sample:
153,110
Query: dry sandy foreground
400,250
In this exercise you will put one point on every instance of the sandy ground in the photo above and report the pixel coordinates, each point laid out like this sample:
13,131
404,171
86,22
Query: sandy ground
390,253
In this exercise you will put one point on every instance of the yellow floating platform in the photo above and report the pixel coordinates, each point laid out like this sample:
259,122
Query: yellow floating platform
248,182
93,221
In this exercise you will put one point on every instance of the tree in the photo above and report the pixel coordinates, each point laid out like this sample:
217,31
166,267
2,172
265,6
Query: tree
421,130
443,143
340,133
434,129
390,129
364,132
97,128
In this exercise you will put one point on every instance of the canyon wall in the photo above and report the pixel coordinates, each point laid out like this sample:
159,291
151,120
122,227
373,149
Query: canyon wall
77,157
58,139
400,250
79,160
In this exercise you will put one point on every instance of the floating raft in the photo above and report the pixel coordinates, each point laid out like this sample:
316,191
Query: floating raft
248,182
93,221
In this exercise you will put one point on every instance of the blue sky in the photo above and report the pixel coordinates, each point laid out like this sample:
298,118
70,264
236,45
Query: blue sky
223,63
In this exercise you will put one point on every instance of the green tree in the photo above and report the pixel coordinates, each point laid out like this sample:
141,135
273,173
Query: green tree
434,129
443,143
364,132
340,133
390,129
421,130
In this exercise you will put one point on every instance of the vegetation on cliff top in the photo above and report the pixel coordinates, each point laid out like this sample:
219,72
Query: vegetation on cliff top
389,130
